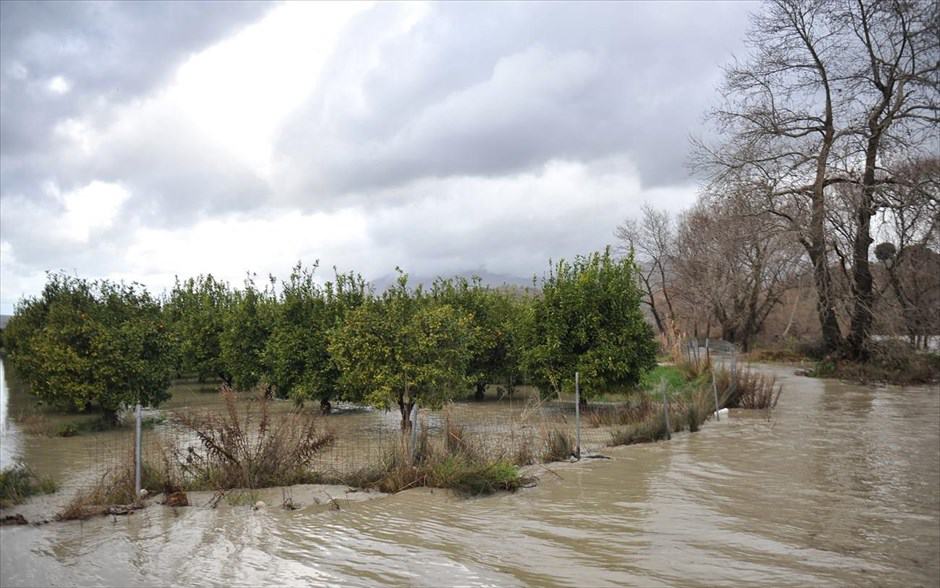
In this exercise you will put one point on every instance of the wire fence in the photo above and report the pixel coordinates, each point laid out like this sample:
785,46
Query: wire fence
520,430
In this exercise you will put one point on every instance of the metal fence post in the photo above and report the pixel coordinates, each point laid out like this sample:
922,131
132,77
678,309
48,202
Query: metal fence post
414,431
577,414
734,370
662,385
715,391
138,454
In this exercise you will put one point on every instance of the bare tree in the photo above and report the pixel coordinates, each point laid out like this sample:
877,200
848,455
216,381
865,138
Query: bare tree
651,240
833,92
735,263
893,56
910,229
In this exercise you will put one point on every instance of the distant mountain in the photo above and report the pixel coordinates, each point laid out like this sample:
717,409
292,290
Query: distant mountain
488,278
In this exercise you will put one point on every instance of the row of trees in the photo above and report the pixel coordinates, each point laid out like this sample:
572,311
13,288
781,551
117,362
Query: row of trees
828,144
98,344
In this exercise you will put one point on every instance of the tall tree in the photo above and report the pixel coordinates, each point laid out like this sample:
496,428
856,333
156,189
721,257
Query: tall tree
832,93
650,240
195,311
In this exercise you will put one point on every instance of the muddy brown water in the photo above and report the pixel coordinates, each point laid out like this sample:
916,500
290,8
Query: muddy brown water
840,487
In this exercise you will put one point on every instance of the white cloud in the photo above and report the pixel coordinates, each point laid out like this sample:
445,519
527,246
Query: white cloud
59,85
88,209
240,90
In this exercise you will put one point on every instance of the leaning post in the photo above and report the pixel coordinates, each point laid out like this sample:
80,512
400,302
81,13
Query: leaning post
577,414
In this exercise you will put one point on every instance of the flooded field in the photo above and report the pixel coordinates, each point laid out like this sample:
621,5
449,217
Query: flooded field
840,487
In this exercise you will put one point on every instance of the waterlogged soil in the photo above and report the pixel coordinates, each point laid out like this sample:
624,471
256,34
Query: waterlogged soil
841,486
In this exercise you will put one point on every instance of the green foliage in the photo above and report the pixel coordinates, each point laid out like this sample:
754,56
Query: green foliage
494,337
195,310
297,354
246,328
588,319
402,350
91,344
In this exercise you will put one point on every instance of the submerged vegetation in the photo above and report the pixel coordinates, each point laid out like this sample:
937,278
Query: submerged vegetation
18,482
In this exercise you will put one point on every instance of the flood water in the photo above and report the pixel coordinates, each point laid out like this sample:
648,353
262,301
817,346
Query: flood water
840,487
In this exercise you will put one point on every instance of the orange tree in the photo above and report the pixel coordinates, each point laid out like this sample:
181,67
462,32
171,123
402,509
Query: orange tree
588,319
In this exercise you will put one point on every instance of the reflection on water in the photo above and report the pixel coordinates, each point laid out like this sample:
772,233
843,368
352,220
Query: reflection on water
839,488
9,436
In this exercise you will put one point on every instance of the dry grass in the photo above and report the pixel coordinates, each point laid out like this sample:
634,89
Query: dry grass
558,444
115,488
645,421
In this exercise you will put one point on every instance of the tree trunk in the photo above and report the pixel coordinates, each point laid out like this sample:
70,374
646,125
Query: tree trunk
325,406
480,393
860,330
405,410
832,336
110,417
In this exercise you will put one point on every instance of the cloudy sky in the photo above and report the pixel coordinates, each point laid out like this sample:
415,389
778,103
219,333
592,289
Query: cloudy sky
140,141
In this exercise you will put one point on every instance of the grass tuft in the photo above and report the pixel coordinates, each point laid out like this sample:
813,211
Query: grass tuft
18,482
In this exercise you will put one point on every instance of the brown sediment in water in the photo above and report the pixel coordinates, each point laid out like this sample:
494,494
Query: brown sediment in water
838,486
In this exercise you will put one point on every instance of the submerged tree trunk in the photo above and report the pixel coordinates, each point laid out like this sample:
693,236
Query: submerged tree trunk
405,409
480,393
110,417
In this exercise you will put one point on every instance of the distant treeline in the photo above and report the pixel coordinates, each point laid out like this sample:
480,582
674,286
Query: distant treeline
98,344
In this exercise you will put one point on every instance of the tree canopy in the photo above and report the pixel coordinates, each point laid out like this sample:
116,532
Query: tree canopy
84,345
588,319
402,350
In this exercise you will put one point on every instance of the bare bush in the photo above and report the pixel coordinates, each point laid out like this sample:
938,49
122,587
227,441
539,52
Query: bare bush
251,448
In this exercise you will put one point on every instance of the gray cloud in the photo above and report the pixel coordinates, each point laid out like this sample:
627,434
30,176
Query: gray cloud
477,137
106,54
492,89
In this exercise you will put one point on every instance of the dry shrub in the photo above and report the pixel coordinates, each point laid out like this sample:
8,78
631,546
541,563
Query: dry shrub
250,448
523,452
632,411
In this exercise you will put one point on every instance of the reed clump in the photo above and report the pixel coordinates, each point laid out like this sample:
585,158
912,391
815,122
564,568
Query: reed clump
645,422
558,444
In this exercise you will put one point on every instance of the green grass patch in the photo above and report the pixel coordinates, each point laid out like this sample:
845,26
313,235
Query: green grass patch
675,379
18,482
